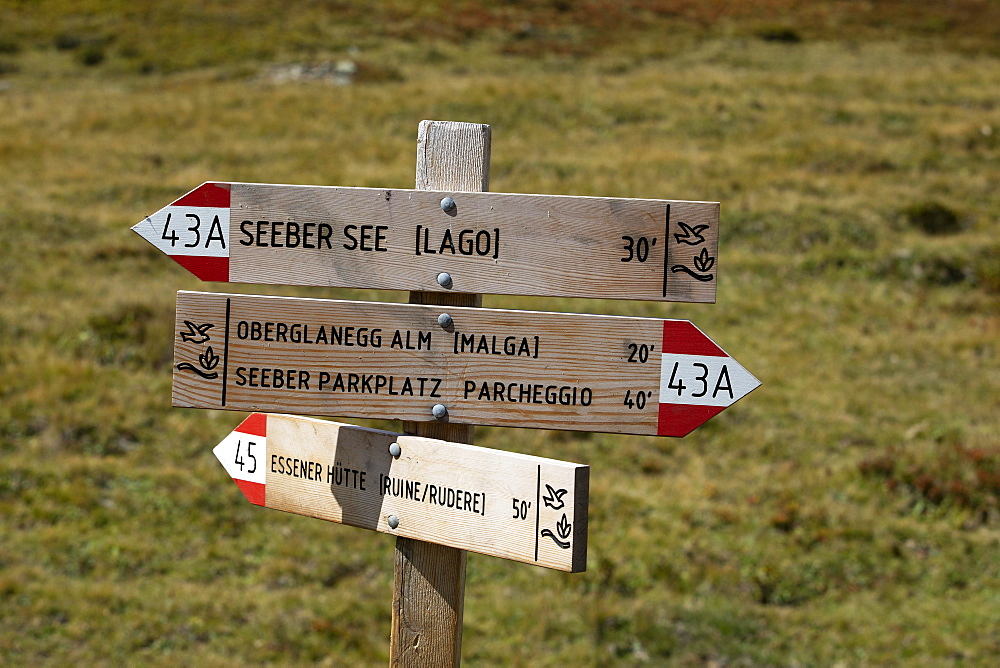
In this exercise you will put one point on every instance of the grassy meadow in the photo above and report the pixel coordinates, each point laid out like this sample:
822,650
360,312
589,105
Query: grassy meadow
845,513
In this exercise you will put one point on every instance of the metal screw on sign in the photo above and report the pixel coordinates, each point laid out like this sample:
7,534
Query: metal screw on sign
448,205
393,521
395,450
444,279
445,320
439,411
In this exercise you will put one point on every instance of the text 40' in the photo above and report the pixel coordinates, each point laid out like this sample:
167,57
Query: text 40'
638,400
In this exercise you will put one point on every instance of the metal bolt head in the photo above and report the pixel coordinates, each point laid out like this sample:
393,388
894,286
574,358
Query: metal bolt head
445,320
395,450
444,279
393,521
439,411
447,205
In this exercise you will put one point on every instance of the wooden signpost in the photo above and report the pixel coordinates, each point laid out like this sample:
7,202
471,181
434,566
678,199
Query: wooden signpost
450,364
440,363
504,504
549,245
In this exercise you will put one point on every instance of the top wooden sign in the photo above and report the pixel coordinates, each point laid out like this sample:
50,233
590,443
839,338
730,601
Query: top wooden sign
492,243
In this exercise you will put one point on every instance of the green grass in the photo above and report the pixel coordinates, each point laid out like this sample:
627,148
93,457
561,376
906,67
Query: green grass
846,512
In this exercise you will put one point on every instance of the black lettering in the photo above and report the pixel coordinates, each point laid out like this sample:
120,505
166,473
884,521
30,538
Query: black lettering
325,233
366,236
483,346
249,236
447,242
483,247
347,233
292,234
728,387
216,225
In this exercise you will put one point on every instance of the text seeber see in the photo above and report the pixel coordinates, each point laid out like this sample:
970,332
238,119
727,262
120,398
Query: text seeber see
279,234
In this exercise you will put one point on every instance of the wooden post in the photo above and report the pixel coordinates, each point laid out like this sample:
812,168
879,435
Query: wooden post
429,583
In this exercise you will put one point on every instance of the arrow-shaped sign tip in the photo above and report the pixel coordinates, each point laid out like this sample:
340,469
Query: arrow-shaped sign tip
194,231
243,453
698,379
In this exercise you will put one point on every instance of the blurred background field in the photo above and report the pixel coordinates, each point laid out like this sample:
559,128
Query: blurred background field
847,512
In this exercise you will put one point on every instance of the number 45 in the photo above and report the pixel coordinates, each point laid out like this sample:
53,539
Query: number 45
240,461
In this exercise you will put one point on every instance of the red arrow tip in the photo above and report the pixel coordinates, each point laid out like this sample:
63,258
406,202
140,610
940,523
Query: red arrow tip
681,337
255,492
681,419
207,194
204,267
255,425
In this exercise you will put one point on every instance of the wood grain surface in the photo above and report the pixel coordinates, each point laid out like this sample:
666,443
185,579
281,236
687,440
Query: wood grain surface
490,243
508,505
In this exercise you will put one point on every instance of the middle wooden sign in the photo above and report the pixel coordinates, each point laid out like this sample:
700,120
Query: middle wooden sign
487,243
464,365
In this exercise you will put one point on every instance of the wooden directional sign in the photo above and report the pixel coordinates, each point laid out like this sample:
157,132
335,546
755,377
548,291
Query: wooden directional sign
504,504
463,365
492,243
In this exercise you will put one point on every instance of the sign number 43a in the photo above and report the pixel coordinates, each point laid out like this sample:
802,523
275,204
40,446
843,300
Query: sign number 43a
194,231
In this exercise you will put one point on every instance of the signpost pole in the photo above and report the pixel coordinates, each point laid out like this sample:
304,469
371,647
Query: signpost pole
429,580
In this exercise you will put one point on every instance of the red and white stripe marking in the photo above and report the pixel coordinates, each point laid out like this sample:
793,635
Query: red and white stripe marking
194,231
243,453
698,380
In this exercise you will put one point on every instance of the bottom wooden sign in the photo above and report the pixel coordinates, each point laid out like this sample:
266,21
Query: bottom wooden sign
504,504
